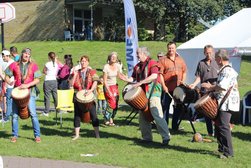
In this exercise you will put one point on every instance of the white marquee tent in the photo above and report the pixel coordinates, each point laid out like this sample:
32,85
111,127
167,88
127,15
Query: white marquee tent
233,34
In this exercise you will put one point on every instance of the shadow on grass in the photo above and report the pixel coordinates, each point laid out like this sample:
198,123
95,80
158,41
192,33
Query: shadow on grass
242,136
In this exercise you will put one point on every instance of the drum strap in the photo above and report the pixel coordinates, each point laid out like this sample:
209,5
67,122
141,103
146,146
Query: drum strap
151,92
225,97
228,92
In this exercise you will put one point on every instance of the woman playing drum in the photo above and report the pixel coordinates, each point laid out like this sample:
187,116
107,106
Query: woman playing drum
111,71
84,78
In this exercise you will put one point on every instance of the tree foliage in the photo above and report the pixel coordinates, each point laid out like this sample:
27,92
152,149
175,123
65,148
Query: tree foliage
179,18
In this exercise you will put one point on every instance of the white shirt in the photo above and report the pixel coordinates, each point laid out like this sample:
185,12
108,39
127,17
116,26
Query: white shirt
4,68
52,71
112,74
227,78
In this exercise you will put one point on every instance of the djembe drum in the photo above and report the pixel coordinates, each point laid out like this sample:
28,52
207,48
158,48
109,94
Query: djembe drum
85,104
207,105
136,98
184,94
21,97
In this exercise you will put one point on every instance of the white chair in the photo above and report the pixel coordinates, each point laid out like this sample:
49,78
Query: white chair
246,105
68,36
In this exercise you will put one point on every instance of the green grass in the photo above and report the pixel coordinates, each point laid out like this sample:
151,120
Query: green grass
118,145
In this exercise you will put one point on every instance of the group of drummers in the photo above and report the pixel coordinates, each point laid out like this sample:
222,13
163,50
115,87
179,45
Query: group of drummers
151,89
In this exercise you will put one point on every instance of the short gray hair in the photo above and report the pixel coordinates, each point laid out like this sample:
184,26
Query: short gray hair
223,54
144,50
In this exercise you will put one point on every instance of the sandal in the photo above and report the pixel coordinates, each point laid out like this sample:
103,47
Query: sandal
13,139
75,138
112,124
37,139
107,123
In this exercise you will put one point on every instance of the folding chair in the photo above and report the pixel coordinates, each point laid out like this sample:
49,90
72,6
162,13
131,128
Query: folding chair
246,105
65,103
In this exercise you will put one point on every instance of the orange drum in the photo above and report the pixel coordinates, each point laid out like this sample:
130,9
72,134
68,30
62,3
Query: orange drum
85,103
21,97
184,94
207,105
136,98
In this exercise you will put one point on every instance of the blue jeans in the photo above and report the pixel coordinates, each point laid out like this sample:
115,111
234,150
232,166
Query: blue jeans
101,106
8,103
33,114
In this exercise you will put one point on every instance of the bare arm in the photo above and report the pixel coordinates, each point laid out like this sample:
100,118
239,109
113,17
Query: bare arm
162,82
149,79
211,87
195,83
45,70
105,83
28,85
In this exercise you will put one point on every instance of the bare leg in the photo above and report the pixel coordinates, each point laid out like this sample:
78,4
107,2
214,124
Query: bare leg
96,130
77,129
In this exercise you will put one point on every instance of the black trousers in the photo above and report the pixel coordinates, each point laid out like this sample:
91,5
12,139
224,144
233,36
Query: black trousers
223,133
78,110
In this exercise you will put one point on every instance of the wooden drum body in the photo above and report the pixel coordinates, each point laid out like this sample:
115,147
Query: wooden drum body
21,97
85,103
207,105
185,94
136,98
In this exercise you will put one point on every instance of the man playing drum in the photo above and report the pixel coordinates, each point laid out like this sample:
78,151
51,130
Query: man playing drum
227,94
173,73
26,76
145,73
86,79
207,71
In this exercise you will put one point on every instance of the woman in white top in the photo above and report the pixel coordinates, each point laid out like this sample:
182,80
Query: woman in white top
50,82
111,71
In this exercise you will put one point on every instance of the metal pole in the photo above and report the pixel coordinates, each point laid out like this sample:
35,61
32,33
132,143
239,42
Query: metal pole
2,33
91,21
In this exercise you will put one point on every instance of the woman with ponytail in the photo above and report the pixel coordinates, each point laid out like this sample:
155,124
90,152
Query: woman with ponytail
50,82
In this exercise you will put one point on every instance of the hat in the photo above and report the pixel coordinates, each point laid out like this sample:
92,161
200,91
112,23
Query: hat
5,52
26,50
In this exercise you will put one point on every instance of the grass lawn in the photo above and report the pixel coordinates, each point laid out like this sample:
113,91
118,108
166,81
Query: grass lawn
118,145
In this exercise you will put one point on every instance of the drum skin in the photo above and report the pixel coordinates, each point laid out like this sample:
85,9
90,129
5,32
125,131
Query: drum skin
207,105
85,103
21,97
136,98
184,94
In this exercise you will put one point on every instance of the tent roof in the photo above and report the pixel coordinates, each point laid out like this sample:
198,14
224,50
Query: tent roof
229,33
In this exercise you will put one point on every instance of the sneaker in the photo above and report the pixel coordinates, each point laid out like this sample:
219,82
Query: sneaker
13,139
4,121
37,139
211,135
144,141
165,142
45,114
223,156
